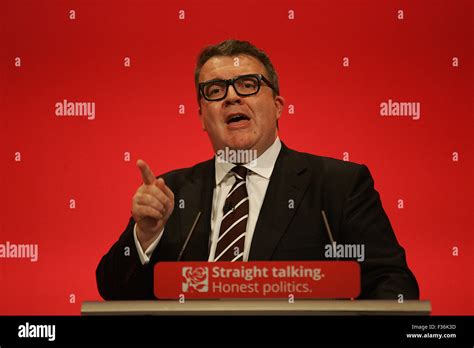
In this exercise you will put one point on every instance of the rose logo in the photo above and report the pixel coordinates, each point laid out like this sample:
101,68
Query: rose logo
195,279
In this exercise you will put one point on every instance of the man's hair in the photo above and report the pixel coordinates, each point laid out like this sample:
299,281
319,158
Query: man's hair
232,48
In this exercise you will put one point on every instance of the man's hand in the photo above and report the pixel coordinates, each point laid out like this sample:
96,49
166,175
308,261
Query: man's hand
152,206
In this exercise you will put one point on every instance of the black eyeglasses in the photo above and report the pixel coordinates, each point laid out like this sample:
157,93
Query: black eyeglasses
244,85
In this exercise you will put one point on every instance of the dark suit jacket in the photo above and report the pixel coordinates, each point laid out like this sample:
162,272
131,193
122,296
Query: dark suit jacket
343,189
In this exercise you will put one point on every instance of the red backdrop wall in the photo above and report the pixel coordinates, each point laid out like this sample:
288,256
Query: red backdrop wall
400,50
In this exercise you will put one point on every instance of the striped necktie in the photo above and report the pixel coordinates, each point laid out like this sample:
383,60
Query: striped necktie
230,245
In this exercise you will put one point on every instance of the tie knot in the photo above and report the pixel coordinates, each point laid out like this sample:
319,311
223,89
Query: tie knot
241,172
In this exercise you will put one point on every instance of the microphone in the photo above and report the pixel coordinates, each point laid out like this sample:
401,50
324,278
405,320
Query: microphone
328,229
189,236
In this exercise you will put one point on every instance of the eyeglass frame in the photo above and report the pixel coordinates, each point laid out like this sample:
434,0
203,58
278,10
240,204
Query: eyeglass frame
229,82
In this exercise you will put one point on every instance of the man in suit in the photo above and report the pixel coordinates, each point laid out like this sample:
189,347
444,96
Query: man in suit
265,209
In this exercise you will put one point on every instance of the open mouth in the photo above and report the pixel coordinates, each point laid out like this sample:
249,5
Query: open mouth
237,118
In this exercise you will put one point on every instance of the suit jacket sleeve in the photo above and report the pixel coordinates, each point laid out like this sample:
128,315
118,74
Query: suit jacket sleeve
120,275
384,272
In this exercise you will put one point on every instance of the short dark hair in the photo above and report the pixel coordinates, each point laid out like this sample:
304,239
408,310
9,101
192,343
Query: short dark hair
233,48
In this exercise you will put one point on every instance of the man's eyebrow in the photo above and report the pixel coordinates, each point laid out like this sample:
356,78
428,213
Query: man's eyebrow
233,77
213,78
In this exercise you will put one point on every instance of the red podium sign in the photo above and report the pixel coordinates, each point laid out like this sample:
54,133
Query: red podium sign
257,279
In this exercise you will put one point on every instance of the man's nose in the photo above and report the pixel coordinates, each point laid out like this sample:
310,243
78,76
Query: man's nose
232,97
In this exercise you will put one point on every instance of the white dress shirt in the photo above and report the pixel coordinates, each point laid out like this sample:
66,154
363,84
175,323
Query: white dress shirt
257,183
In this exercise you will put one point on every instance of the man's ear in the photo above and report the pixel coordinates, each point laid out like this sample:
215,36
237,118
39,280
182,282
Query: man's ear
279,104
200,117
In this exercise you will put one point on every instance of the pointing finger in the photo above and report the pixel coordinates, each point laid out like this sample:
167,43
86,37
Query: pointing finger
147,174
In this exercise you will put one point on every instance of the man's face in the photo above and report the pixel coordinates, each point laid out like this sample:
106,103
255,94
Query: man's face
262,110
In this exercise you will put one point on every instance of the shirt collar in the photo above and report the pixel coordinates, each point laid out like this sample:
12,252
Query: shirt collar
262,166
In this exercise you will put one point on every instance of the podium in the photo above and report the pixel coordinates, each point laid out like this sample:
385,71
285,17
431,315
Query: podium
257,307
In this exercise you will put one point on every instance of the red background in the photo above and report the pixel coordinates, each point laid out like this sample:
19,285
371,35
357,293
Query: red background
336,111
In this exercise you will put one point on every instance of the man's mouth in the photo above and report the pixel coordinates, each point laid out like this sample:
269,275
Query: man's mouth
236,118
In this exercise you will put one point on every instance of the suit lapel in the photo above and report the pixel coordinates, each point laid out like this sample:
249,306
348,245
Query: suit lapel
196,195
289,180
